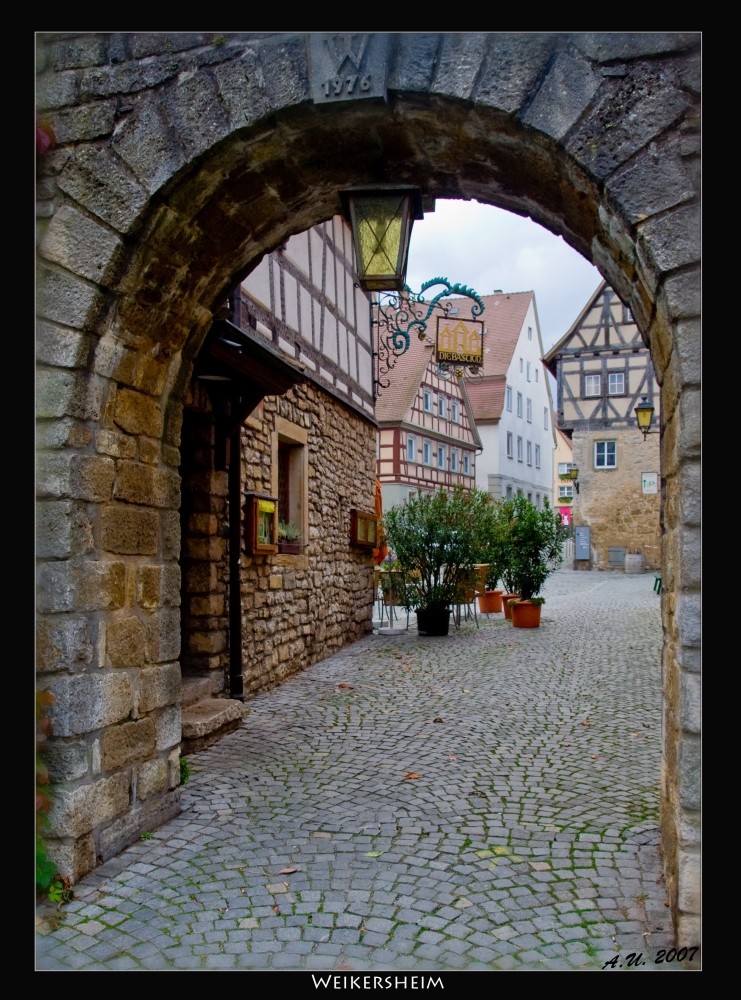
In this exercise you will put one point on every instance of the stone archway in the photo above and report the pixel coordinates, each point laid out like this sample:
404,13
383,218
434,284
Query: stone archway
179,160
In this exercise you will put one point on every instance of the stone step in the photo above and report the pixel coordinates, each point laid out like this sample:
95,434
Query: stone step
195,689
206,721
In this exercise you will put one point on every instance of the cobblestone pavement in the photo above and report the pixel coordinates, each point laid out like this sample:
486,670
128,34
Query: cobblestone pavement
483,801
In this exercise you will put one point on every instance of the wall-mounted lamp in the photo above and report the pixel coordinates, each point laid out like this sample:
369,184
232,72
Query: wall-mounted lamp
381,220
644,415
573,473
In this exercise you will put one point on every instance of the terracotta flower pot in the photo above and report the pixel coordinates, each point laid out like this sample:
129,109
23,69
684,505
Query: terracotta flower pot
506,598
490,602
525,614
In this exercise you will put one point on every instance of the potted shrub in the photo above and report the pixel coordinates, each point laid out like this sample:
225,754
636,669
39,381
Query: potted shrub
494,555
288,538
536,539
436,538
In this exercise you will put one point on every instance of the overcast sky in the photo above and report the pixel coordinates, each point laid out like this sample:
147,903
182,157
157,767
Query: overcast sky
487,248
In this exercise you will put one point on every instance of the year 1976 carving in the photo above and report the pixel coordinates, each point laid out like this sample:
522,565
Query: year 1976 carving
335,86
634,958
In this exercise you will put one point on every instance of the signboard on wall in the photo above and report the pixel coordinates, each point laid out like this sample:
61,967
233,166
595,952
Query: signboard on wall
649,482
459,342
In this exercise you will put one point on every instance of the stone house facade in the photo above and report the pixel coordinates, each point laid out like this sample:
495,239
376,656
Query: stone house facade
603,369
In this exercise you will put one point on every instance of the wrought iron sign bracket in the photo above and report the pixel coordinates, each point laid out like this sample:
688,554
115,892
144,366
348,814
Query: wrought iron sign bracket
396,315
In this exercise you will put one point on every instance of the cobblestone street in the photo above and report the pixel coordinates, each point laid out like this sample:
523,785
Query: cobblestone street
484,801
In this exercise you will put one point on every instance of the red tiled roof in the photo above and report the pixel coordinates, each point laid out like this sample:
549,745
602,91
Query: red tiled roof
487,398
405,379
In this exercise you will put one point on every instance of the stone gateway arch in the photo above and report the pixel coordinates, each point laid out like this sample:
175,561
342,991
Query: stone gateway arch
168,165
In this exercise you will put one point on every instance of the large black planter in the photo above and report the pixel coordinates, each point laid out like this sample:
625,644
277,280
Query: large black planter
433,622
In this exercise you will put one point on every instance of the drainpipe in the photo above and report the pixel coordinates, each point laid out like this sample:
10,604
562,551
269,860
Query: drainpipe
236,677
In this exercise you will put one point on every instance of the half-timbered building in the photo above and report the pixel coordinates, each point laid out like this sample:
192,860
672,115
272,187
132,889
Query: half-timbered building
603,370
427,436
278,429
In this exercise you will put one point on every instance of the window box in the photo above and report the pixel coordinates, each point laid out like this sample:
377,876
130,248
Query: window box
261,524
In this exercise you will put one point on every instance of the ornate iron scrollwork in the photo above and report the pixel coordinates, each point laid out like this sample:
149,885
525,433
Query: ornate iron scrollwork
396,315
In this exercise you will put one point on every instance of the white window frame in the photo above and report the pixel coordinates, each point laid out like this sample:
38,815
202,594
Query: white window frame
605,454
545,417
455,411
616,379
442,407
566,490
426,453
427,400
591,382
466,464
411,449
519,404
529,452
529,333
453,459
537,456
529,372
441,456
510,445
519,448
529,410
508,398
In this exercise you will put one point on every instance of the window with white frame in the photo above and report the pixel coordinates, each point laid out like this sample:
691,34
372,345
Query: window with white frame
508,492
522,365
427,400
537,456
545,417
529,333
455,411
519,448
616,383
537,373
453,459
508,398
411,449
627,315
427,453
605,454
510,445
566,491
529,410
442,407
441,456
466,464
529,452
592,385
529,372
563,468
519,404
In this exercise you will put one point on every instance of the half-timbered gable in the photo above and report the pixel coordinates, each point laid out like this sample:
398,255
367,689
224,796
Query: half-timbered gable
511,401
602,367
603,370
427,437
304,300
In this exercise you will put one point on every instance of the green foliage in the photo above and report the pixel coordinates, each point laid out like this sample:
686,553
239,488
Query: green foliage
288,532
438,538
184,770
535,541
146,835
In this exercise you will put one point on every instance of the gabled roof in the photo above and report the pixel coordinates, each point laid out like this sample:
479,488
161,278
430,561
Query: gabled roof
503,316
550,359
487,397
405,379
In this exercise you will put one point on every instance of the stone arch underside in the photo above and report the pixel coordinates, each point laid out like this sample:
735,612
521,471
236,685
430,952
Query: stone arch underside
153,220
